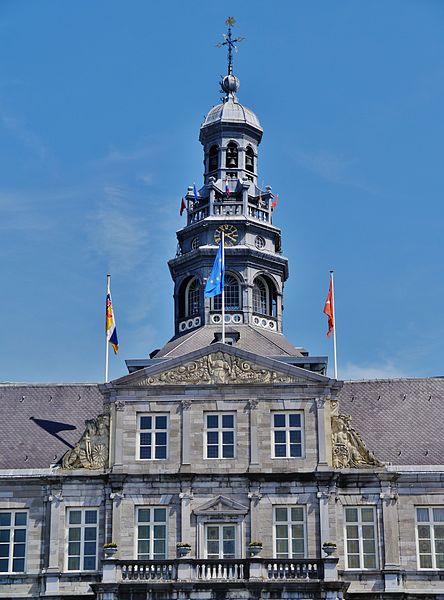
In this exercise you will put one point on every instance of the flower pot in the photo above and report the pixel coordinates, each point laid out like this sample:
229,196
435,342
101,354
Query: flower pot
183,550
255,550
329,550
110,552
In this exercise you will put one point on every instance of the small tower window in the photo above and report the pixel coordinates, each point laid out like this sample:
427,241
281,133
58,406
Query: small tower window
192,303
232,295
264,297
249,159
213,159
232,156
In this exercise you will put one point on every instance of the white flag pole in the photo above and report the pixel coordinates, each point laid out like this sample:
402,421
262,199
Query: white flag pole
108,291
223,288
335,362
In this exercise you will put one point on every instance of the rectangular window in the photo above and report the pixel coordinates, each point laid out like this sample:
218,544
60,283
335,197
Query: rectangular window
153,437
151,533
220,541
82,539
360,535
287,432
430,536
13,541
289,532
219,435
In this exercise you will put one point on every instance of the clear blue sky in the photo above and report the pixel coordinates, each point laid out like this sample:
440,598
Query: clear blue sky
100,108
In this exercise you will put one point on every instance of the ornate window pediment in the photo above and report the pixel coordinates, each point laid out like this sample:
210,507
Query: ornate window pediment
221,506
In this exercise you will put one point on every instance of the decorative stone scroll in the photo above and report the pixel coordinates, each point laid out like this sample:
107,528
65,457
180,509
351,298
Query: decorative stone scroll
218,367
349,449
91,451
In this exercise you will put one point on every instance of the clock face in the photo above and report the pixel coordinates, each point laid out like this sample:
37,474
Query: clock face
231,234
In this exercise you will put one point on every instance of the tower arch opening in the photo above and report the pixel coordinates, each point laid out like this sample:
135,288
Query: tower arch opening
189,298
232,294
249,159
213,158
232,156
264,296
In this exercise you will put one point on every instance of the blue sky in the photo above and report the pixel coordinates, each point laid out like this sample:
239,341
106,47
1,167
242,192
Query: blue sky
100,108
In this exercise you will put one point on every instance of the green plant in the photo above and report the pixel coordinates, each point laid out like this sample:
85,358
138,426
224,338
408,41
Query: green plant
183,545
329,544
255,543
110,545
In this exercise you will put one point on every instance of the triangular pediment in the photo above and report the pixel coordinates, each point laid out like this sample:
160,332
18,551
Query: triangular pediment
220,364
221,506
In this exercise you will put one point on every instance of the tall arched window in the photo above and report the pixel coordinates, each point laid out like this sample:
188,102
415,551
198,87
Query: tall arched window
232,156
232,294
264,297
213,158
249,159
260,296
192,299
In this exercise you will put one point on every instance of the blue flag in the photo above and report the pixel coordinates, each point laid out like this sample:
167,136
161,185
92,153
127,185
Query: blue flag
196,197
215,283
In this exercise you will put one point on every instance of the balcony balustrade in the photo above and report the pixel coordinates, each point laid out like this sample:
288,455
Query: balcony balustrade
223,570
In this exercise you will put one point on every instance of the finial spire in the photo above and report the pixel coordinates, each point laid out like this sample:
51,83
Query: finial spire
230,84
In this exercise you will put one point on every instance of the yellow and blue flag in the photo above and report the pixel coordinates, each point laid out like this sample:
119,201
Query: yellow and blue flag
215,283
111,330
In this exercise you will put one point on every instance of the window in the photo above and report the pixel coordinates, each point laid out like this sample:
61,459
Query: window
219,435
232,156
151,533
193,298
220,541
153,436
287,434
249,159
360,535
430,535
289,532
82,539
232,294
264,297
13,541
213,158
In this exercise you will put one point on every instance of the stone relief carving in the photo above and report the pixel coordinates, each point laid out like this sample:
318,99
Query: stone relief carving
349,449
218,367
91,451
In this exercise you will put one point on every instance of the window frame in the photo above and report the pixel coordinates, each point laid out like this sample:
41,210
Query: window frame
360,524
431,523
221,525
151,523
287,430
12,528
153,431
289,523
193,308
219,429
82,526
229,289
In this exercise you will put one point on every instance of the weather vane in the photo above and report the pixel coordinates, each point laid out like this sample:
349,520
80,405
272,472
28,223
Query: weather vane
230,42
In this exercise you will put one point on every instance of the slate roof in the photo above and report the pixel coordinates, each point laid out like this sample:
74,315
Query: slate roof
400,420
253,339
40,422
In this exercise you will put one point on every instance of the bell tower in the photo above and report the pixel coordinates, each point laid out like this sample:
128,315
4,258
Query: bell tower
230,200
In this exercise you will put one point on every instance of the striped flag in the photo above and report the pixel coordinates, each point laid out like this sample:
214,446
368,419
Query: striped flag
111,330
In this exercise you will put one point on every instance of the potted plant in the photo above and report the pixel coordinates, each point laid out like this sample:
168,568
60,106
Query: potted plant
329,548
183,548
110,549
255,547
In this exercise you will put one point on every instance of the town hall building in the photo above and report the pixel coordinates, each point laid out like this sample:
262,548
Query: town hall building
224,468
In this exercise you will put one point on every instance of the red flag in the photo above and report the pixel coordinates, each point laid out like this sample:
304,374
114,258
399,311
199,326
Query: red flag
329,308
182,207
275,201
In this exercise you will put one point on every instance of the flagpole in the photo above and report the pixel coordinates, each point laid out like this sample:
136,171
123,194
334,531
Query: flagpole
223,287
108,290
335,362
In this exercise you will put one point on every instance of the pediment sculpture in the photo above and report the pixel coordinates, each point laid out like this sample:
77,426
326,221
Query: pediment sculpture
215,368
91,451
349,449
